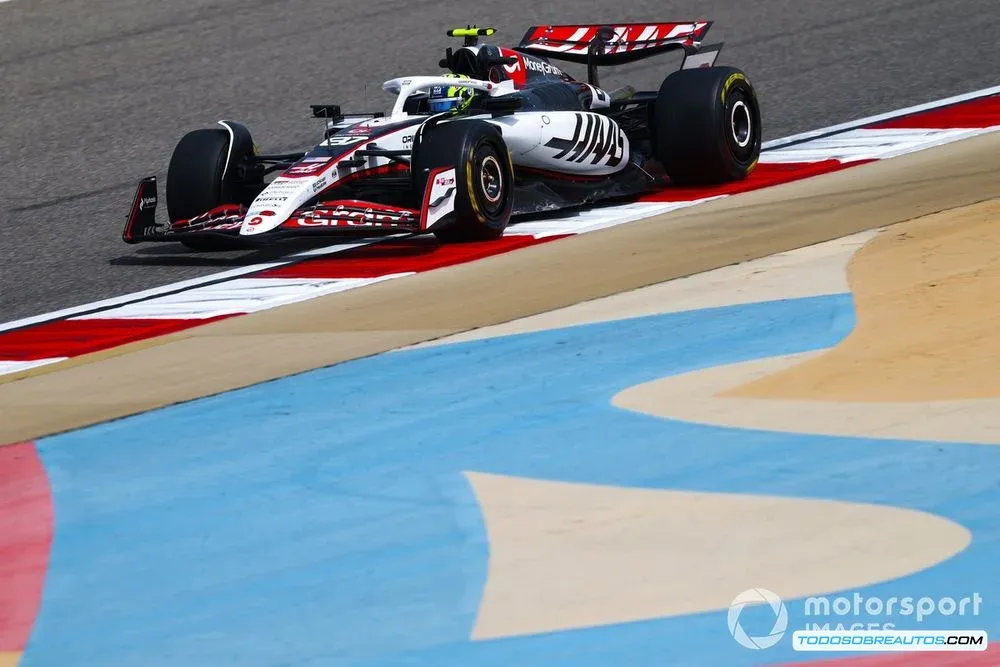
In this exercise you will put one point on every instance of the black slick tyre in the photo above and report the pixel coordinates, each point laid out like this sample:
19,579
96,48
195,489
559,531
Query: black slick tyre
484,177
707,126
199,179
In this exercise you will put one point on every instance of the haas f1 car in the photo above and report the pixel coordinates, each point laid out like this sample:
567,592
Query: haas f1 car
502,133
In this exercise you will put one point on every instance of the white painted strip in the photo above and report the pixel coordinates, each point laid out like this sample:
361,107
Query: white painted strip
182,285
8,367
854,124
599,218
936,139
865,144
243,295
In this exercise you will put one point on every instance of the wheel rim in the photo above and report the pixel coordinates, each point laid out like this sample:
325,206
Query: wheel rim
741,124
491,181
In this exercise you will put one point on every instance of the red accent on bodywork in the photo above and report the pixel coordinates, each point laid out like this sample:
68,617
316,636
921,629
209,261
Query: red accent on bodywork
353,208
26,520
219,212
516,72
415,255
70,338
981,113
384,170
360,203
311,168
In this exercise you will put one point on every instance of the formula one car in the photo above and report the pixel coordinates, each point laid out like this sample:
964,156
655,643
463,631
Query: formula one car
502,133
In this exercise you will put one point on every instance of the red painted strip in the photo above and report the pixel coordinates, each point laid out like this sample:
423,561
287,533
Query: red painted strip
69,338
988,658
766,174
419,254
25,539
983,112
426,254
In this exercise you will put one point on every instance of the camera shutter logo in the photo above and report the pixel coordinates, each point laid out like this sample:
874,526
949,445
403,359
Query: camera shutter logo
758,596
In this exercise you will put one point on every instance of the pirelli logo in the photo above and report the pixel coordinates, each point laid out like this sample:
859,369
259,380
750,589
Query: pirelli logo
595,138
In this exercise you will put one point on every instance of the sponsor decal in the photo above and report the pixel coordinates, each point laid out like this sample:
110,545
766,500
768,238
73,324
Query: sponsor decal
276,199
279,187
733,78
596,137
445,180
533,65
256,220
319,185
515,71
269,213
308,169
349,216
146,202
312,221
408,139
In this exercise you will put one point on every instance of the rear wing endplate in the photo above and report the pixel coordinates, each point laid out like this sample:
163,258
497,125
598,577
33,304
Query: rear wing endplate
703,57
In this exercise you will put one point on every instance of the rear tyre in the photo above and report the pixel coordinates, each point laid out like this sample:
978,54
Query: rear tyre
484,177
707,126
199,179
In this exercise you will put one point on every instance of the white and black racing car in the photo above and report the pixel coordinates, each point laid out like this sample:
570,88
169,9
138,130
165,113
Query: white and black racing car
501,133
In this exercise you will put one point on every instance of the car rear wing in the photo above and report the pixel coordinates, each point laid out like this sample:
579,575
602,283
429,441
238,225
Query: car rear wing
609,45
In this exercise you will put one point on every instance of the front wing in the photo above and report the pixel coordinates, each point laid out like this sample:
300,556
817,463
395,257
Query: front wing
338,217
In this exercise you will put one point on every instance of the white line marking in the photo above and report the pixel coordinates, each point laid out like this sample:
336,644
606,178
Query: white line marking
236,297
855,124
7,367
865,144
182,285
601,218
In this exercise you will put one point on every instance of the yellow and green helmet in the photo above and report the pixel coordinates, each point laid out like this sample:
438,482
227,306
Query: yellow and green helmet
450,98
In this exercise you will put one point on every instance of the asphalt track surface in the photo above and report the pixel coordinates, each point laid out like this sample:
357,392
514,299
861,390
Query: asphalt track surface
96,93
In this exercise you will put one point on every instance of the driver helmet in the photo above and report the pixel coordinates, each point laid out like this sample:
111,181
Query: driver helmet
450,98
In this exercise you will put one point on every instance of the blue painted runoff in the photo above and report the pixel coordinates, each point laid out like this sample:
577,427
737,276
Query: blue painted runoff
324,519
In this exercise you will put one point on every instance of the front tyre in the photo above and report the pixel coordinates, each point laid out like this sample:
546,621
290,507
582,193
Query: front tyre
707,126
484,177
204,174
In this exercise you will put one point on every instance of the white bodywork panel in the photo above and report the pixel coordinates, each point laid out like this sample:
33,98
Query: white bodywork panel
571,142
575,142
441,201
